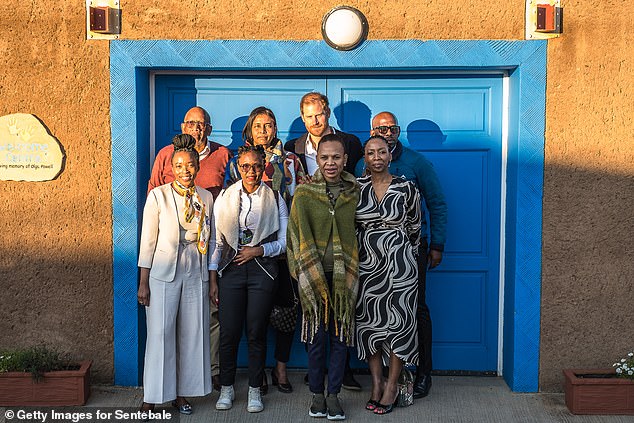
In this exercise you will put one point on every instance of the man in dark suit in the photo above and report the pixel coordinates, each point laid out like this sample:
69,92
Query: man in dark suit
314,111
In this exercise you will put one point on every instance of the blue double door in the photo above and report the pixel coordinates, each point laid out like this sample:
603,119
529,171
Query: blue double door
454,120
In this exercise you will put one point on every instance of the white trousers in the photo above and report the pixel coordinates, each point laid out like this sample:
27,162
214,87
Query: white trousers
177,360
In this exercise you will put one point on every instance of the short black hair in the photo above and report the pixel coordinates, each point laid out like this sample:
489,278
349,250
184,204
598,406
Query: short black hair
375,137
332,138
257,149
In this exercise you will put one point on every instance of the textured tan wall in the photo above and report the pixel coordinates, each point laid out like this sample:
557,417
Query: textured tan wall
56,242
588,258
56,238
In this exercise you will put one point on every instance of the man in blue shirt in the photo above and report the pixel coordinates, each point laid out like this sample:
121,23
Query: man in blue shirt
416,168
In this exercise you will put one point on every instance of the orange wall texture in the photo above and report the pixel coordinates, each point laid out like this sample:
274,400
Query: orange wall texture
56,242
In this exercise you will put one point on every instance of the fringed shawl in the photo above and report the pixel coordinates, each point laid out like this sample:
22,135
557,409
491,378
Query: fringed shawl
311,221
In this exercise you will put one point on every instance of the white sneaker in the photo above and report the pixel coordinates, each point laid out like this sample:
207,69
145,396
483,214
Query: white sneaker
255,405
225,400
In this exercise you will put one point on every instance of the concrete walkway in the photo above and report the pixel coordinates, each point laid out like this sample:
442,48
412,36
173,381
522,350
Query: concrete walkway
452,399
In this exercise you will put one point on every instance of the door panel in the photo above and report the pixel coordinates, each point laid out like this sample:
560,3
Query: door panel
455,121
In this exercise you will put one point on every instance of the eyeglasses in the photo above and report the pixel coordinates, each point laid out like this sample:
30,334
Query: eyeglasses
246,167
395,129
196,124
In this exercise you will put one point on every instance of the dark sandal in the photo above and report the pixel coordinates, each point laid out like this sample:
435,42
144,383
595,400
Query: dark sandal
384,409
371,405
285,388
184,408
145,408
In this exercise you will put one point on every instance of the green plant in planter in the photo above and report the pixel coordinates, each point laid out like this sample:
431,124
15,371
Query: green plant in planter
625,367
35,360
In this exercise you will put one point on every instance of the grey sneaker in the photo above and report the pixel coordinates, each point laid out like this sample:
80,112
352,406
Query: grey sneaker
318,406
255,404
335,412
225,400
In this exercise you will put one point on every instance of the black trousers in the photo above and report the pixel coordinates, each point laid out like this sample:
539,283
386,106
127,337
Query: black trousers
285,298
245,293
423,319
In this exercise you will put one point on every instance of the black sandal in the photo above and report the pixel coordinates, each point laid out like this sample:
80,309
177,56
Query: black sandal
384,409
144,409
184,408
285,388
371,405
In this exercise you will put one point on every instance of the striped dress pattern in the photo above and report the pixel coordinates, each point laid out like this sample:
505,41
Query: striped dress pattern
389,233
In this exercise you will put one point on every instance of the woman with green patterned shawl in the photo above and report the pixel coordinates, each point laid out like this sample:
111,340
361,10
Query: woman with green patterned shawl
323,257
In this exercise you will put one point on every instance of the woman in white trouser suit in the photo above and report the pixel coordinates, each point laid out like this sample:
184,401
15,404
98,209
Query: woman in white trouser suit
174,284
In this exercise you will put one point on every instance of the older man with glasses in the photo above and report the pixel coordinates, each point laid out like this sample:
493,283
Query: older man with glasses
416,168
213,156
213,159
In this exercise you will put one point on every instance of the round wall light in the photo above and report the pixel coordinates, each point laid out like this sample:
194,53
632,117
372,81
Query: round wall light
344,28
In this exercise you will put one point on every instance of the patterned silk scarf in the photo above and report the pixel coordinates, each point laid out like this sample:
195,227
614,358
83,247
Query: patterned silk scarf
278,173
195,210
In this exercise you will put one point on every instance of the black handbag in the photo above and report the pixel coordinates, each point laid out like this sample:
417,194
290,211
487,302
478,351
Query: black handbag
284,319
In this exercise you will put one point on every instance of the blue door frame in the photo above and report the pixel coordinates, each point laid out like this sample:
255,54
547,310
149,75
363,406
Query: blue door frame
132,61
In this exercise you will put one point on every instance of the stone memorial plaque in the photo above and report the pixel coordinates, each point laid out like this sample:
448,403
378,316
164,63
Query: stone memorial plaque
27,151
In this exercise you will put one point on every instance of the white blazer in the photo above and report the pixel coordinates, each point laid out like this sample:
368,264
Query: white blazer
161,231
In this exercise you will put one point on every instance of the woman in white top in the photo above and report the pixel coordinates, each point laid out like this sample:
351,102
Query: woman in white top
251,222
176,237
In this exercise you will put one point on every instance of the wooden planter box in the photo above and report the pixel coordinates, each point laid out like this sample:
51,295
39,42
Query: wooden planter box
600,392
64,387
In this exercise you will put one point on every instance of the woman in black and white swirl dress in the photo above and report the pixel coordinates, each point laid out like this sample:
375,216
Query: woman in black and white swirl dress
388,227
